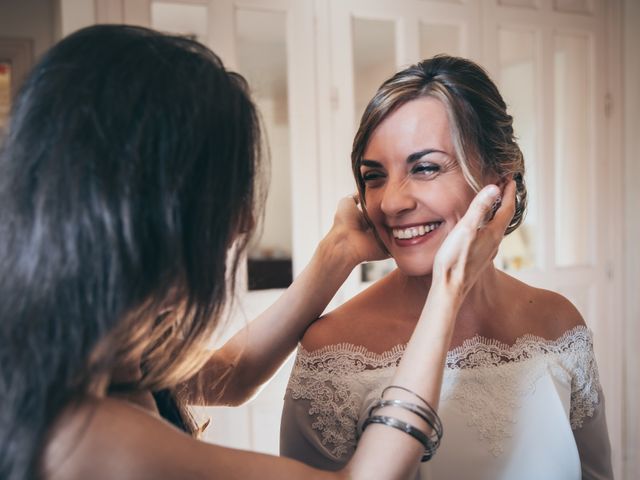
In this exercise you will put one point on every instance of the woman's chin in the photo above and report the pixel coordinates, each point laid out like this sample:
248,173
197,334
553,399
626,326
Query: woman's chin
415,260
415,269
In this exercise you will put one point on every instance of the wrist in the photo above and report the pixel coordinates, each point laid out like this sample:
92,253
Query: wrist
448,293
446,282
333,256
336,248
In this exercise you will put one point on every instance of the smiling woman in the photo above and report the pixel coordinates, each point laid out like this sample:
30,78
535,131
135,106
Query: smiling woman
521,396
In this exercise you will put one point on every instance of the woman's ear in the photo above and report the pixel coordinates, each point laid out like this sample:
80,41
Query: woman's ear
494,178
501,181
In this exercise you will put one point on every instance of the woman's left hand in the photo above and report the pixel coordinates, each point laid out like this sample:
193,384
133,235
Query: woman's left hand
473,243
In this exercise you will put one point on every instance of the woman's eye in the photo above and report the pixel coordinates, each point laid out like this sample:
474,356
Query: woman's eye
371,175
426,168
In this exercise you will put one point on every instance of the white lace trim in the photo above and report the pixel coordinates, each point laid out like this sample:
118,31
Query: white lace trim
480,351
329,378
338,380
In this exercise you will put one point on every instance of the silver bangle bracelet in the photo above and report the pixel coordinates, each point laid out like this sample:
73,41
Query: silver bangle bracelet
437,422
428,416
429,447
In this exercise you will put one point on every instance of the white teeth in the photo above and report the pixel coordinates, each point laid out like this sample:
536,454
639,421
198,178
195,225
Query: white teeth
412,232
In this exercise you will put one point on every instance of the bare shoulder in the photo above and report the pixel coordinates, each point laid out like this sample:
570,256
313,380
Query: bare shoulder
337,326
90,438
559,314
543,312
110,439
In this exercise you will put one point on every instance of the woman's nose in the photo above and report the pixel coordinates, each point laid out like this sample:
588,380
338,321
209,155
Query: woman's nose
397,198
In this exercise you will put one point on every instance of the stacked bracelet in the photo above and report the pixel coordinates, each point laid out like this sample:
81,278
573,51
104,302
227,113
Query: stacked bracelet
437,423
404,427
430,442
429,416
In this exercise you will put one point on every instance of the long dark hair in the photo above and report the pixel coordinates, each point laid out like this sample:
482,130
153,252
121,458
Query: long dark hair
127,172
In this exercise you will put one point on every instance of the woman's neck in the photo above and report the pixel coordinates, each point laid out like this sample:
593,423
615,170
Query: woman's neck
130,374
479,310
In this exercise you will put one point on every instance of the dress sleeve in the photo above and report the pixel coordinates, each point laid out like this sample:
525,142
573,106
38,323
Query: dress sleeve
587,414
592,439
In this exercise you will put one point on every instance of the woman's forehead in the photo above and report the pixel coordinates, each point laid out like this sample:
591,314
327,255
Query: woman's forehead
417,125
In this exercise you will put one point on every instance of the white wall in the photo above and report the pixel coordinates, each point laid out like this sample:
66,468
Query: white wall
73,15
32,19
631,145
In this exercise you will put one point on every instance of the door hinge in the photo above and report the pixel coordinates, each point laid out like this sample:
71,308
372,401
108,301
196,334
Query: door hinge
609,270
608,105
334,98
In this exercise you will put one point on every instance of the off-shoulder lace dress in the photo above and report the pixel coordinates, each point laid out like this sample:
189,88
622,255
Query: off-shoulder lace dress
533,410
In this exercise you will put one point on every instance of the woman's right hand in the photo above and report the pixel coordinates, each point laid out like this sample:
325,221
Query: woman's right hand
353,235
473,243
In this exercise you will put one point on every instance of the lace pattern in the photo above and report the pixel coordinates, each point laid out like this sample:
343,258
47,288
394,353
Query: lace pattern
339,381
333,379
571,355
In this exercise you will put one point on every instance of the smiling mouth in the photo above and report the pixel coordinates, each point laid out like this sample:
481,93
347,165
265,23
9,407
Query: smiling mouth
414,232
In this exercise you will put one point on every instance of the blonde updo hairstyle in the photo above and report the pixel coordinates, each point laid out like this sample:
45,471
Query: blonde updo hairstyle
481,129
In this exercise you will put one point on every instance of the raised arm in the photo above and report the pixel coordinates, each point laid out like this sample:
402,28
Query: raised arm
254,354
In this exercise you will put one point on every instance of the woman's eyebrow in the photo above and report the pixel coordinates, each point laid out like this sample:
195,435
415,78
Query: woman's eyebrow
370,163
418,155
410,159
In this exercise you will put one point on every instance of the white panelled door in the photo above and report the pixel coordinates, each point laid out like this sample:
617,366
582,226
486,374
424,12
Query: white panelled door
549,60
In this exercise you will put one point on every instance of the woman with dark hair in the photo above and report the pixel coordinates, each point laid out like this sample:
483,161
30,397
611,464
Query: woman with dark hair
127,196
520,397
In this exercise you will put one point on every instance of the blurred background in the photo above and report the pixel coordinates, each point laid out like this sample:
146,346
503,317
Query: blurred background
569,71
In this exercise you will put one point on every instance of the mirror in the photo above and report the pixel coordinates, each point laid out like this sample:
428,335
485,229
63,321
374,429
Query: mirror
185,19
374,60
517,74
262,60
439,38
573,146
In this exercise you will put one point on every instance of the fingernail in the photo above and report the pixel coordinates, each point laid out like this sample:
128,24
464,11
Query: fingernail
492,190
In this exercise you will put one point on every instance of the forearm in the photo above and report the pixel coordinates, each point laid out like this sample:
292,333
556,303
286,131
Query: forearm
255,353
422,365
421,371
